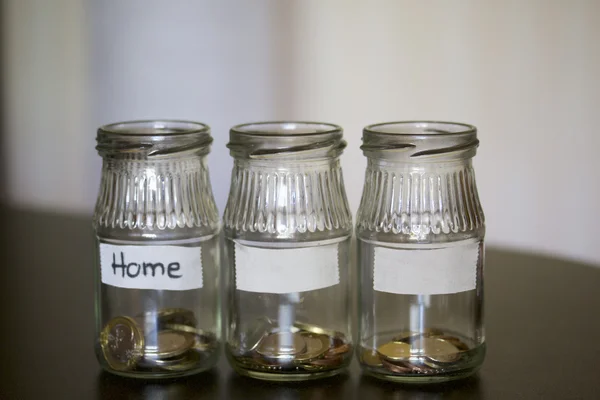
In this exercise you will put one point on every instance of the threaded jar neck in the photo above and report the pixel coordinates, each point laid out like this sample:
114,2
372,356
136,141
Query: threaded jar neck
286,141
420,141
153,139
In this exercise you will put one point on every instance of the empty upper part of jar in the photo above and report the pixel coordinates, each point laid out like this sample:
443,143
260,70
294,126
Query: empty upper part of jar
287,183
153,139
287,140
420,141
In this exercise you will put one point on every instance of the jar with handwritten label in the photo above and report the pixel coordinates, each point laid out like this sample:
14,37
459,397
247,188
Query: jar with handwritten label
288,228
158,250
420,230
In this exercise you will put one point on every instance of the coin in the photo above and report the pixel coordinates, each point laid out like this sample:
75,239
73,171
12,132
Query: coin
281,345
188,360
410,336
184,328
122,343
327,362
338,351
370,357
205,343
255,333
316,345
459,344
170,344
161,363
258,362
395,350
302,326
171,316
436,349
397,369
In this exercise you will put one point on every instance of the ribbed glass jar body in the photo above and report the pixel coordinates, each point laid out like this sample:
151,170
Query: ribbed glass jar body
158,251
420,230
287,228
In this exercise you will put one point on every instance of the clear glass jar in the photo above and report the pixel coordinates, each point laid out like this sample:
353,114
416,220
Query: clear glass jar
158,248
420,230
288,228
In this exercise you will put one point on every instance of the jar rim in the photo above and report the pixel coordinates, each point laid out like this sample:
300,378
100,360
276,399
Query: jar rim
417,141
154,127
420,128
153,139
286,140
285,128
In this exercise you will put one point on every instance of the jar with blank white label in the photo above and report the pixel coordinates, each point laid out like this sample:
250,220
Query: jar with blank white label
158,249
288,228
420,230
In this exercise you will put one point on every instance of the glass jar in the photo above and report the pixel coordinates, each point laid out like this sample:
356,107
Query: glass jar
420,230
288,228
157,233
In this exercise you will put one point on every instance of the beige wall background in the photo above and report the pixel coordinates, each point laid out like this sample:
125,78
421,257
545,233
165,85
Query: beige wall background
526,73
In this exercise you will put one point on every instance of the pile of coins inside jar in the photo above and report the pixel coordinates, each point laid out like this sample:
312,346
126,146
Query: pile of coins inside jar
430,352
303,347
164,340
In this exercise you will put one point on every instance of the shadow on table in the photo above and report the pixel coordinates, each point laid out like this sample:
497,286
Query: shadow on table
372,388
201,386
240,387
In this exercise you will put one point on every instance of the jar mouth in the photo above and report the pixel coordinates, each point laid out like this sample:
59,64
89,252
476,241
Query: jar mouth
412,128
286,128
164,127
153,139
291,140
416,141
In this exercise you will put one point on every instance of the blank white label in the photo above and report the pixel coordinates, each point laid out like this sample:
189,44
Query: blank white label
436,271
286,270
151,267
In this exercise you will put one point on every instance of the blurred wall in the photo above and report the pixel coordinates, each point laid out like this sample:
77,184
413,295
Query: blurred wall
526,73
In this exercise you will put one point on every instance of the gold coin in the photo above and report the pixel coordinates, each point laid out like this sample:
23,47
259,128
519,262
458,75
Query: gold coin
204,341
168,344
316,346
281,345
410,336
459,344
184,328
170,316
395,350
188,360
436,349
122,343
316,329
370,357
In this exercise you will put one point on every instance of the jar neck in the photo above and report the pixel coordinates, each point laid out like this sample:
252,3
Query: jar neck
147,195
408,166
410,202
287,165
289,201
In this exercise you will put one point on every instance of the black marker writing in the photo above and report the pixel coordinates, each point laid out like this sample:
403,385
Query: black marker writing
133,269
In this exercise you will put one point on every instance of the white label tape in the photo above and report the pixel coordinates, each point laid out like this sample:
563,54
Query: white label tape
151,267
286,270
436,271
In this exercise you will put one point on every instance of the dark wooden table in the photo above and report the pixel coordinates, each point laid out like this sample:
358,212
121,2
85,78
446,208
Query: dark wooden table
542,319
